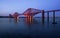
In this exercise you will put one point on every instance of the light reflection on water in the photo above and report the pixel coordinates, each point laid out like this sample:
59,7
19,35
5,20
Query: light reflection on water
32,28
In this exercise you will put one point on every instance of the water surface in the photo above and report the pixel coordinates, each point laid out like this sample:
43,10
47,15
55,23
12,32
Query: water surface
23,29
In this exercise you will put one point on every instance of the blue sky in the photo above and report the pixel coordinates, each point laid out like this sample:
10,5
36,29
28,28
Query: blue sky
11,6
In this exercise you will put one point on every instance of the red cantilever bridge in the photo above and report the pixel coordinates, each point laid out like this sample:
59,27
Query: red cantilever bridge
31,12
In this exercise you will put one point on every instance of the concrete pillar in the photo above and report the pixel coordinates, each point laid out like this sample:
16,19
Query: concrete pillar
54,22
47,17
43,16
30,19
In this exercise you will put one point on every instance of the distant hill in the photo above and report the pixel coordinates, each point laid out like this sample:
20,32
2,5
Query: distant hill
5,17
24,17
8,17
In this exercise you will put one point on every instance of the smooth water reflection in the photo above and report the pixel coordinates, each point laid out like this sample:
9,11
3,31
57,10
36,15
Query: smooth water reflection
32,28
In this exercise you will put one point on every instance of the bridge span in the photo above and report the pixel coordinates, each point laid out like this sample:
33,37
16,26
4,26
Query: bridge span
30,12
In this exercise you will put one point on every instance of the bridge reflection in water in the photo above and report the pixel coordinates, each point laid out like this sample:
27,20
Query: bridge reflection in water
29,19
29,28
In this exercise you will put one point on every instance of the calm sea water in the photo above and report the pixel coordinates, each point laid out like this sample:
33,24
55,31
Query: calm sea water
22,29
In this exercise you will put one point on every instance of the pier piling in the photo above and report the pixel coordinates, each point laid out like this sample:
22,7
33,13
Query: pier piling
47,17
43,16
54,21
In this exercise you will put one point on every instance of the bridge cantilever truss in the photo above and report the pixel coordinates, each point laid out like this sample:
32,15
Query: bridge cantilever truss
31,12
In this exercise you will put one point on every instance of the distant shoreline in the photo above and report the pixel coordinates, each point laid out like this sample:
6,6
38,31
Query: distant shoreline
24,17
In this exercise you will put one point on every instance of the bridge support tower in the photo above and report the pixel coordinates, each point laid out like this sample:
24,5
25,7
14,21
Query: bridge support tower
47,17
42,16
54,21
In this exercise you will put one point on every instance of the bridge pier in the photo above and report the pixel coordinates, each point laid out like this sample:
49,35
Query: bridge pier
43,16
29,19
47,17
54,22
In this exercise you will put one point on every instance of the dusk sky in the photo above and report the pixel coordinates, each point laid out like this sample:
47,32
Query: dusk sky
10,6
